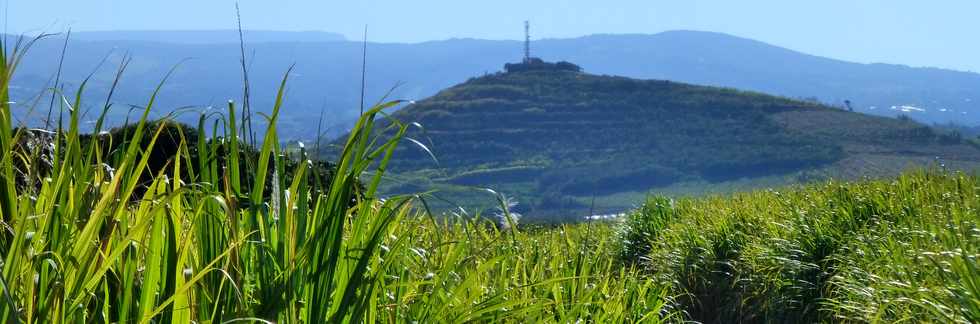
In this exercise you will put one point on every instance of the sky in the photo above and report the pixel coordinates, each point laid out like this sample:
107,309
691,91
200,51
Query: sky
941,33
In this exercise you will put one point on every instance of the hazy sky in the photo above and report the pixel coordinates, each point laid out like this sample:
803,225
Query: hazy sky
941,33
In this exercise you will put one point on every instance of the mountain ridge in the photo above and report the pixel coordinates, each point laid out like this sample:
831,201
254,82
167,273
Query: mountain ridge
325,70
207,36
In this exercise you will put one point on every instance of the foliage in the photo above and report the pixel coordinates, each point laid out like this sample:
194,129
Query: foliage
221,232
878,251
173,134
537,64
80,248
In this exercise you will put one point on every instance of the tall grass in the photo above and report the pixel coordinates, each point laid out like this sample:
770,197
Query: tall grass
877,251
222,231
460,271
82,247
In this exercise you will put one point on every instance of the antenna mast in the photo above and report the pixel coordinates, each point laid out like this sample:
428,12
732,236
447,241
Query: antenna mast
527,41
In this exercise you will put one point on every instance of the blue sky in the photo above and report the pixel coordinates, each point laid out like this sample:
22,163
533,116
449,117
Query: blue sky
943,33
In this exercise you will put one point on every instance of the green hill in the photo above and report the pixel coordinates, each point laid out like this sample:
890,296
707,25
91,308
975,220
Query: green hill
556,138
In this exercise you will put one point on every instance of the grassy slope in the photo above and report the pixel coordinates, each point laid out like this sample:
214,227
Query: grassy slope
555,139
892,250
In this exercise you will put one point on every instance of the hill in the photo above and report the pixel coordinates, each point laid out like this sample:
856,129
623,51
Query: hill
555,139
327,73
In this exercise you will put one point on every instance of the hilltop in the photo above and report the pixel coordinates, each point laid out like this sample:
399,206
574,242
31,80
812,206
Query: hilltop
555,138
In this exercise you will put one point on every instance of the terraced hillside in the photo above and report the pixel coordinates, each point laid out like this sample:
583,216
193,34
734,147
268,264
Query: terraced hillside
556,139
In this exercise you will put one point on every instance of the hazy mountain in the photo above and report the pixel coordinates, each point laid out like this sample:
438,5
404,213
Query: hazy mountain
206,36
556,139
327,74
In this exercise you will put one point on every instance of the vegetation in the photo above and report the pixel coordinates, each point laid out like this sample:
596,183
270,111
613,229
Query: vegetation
554,139
172,135
537,64
203,243
98,241
205,247
877,251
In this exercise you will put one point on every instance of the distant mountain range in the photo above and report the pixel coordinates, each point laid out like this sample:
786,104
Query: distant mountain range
326,77
206,36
